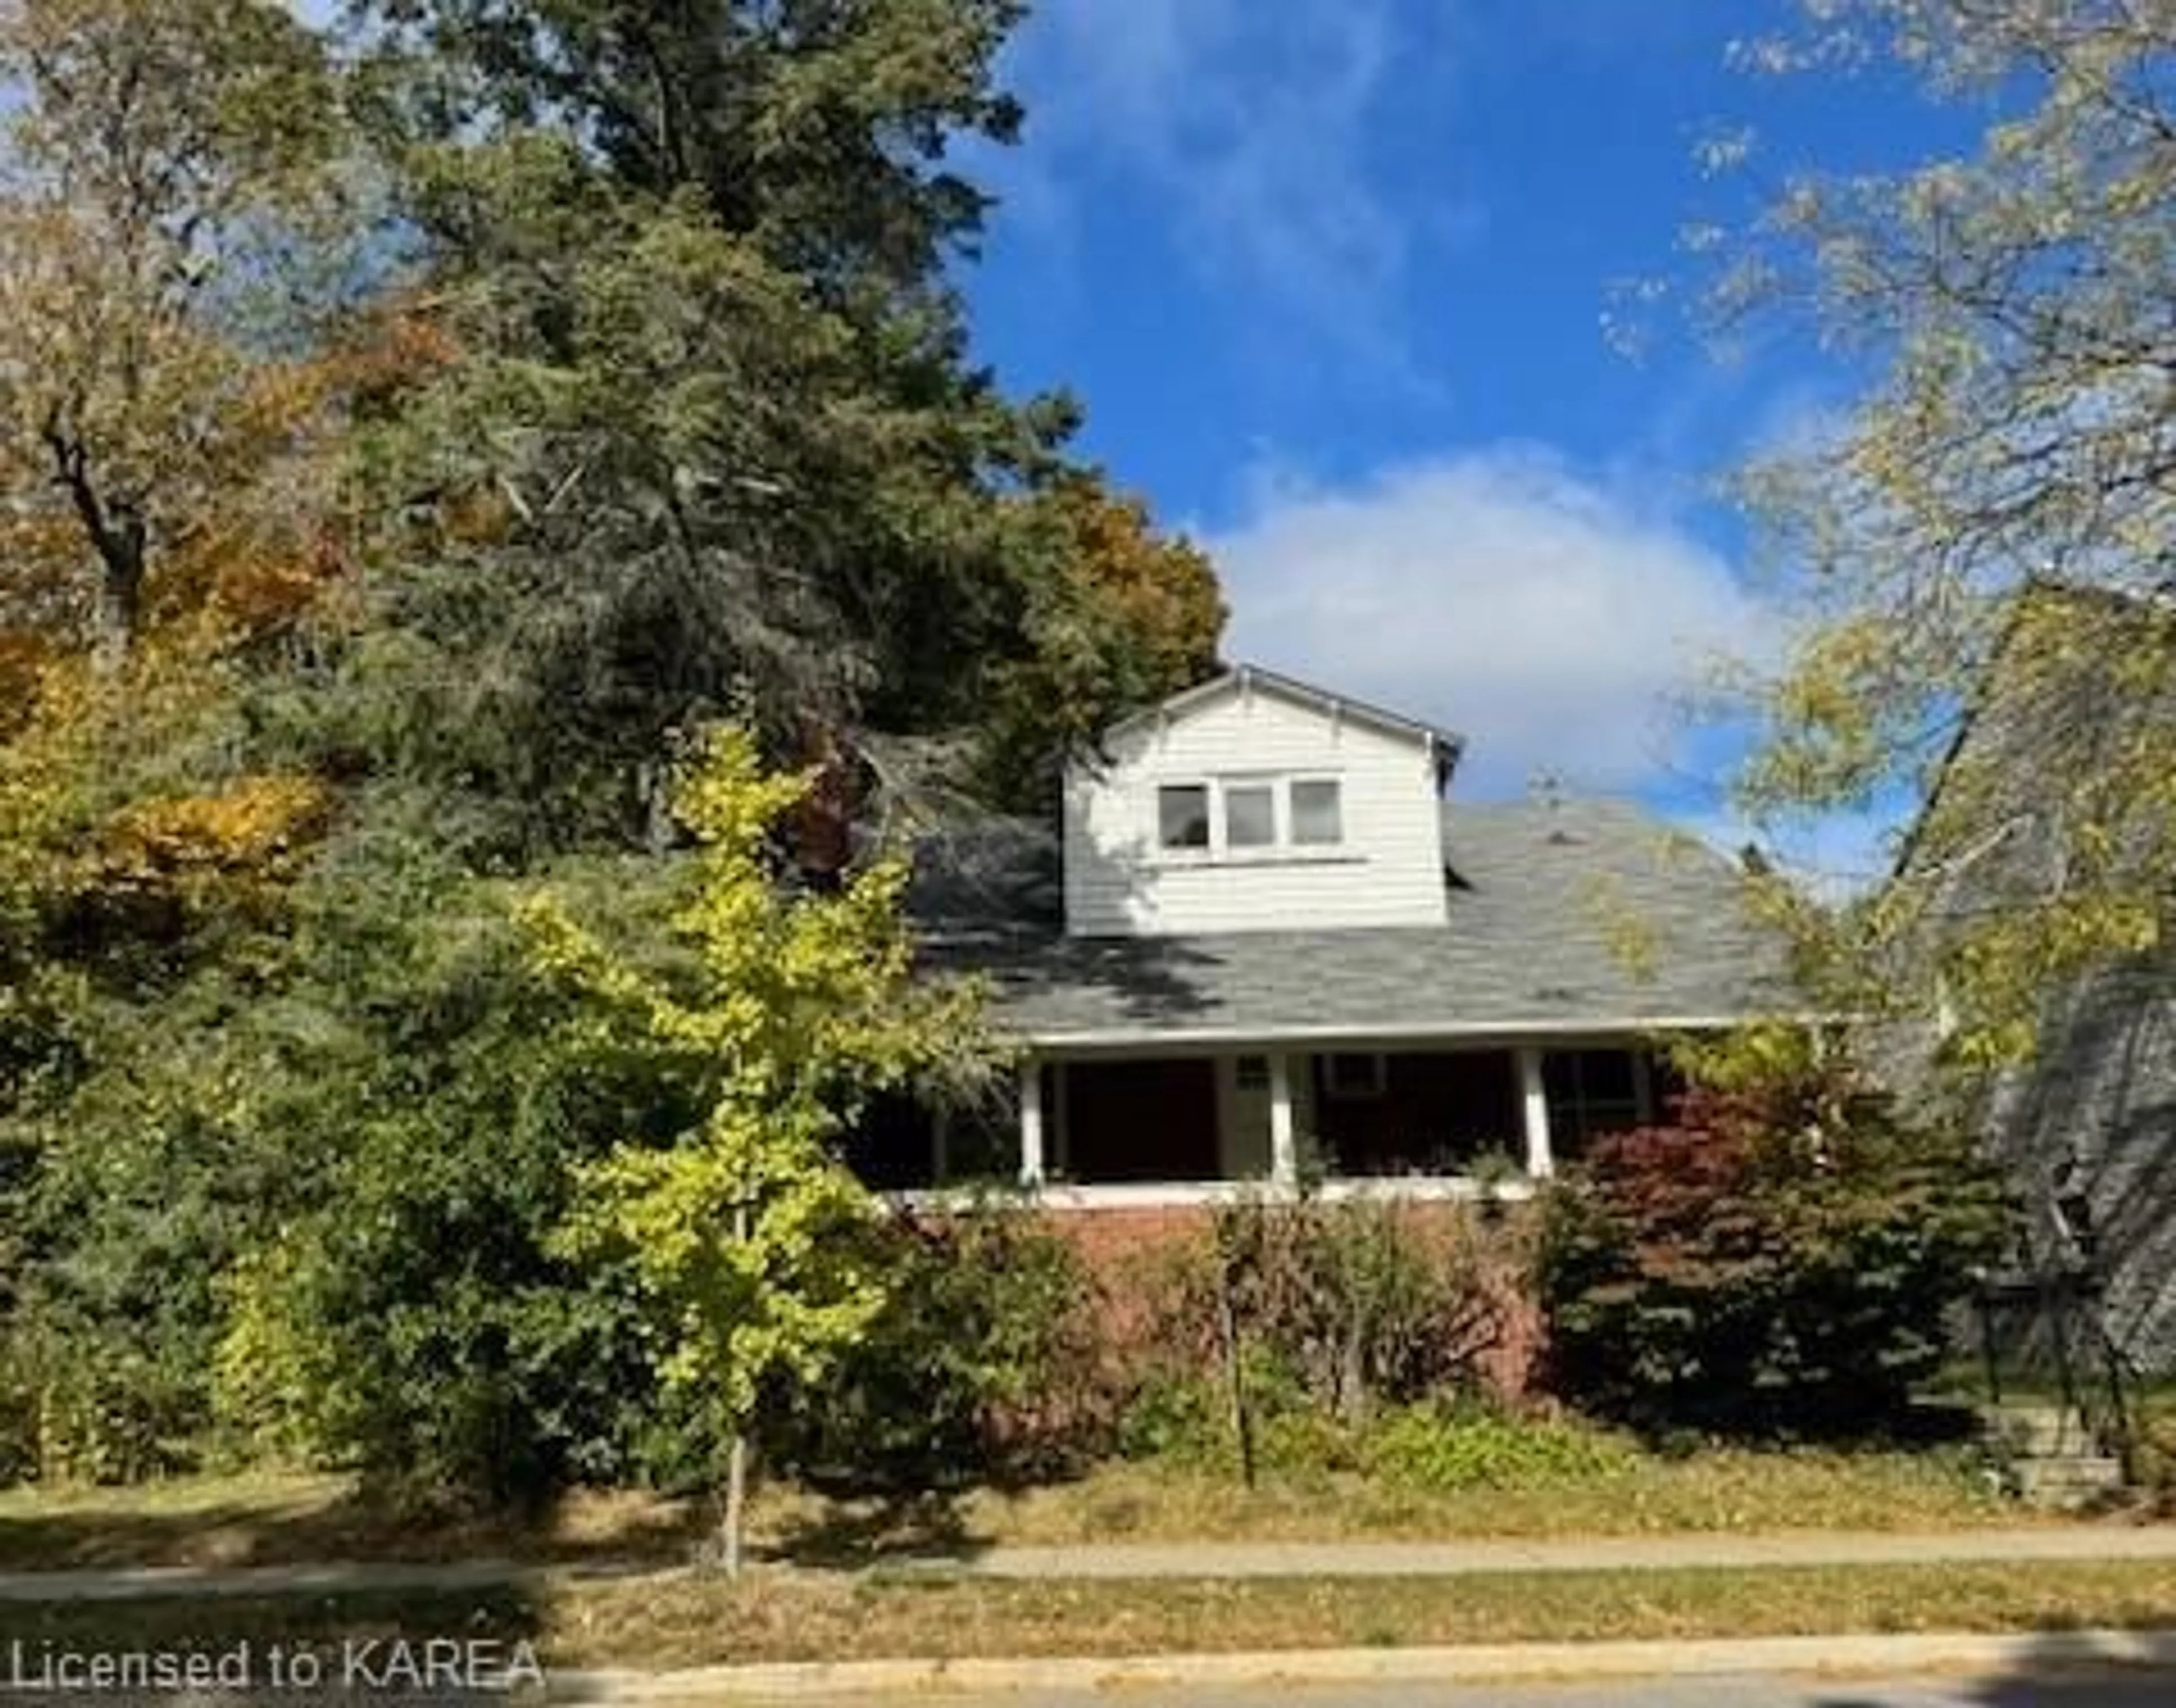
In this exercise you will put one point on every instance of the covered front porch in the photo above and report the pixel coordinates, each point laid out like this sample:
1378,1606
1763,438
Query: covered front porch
1116,1127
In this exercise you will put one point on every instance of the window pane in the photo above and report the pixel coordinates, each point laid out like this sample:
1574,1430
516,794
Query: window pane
1605,1076
1355,1075
1315,818
1182,815
1251,816
1560,1076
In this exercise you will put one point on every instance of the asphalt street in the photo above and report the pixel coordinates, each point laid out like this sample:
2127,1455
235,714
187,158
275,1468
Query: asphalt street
2108,1690
2079,1690
2111,1689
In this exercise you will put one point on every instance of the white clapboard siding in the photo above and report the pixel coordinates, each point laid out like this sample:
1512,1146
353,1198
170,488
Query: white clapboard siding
1388,870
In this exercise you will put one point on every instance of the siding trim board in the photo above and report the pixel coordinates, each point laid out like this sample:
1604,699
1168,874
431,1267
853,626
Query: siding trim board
1245,680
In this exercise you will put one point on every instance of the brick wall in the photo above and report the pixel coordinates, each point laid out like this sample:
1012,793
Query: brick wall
1133,1252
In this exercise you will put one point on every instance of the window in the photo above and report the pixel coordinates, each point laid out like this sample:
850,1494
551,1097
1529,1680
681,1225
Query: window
1353,1075
1591,1092
1251,1073
1182,815
1316,818
1242,817
1250,815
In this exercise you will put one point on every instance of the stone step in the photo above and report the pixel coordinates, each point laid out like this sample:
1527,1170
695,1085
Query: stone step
2036,1432
2074,1479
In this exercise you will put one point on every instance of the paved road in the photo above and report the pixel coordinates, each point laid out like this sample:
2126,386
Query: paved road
2061,1689
2113,1690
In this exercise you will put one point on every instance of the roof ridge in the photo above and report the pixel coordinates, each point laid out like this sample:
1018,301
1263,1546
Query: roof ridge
1245,675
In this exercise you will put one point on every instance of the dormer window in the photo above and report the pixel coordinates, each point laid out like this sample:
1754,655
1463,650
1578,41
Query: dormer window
1318,818
1182,815
1250,815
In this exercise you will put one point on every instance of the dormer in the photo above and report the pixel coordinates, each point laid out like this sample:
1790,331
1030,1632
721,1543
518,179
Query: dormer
1255,803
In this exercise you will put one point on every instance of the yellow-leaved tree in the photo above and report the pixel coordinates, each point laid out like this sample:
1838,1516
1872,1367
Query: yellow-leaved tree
794,1009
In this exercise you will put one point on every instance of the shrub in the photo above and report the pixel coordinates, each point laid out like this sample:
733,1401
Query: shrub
1780,1260
1184,1419
984,1363
1448,1448
1361,1303
1339,1310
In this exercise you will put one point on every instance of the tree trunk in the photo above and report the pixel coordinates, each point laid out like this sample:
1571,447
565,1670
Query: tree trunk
117,535
120,598
1242,1423
1352,1368
736,1455
736,1502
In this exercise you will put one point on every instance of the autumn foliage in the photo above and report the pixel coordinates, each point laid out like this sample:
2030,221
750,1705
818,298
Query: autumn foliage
1780,1258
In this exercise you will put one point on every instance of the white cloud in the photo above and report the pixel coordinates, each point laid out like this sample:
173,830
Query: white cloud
1550,618
1248,124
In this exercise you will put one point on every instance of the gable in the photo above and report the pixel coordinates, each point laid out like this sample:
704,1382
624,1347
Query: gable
1338,808
1247,685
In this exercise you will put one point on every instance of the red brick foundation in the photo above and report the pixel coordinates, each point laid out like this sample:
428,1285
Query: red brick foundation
1135,1253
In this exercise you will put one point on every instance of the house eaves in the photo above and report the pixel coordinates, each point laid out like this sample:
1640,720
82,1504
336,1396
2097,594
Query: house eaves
1446,744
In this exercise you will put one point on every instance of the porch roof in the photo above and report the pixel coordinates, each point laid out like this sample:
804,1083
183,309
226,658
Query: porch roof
1579,916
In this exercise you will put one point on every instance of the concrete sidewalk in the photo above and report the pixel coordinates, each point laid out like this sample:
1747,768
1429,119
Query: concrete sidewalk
1597,1554
1170,1560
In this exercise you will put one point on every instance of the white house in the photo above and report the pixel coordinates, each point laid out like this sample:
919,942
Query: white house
1272,944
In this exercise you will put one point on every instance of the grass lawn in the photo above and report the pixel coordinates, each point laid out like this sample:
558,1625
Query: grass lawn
774,1615
1719,1490
263,1519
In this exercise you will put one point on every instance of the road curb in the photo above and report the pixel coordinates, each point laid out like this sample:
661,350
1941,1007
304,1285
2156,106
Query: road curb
2011,1654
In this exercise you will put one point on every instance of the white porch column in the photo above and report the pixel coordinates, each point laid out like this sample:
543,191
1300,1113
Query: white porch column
1030,1119
1534,1104
1284,1153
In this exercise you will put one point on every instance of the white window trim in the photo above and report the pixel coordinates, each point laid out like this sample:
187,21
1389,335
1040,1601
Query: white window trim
1280,851
1177,853
1280,818
1337,781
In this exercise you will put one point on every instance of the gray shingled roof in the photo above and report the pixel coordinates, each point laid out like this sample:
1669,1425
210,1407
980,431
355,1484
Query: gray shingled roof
1581,917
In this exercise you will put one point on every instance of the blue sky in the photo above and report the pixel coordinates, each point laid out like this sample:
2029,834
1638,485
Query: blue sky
1330,276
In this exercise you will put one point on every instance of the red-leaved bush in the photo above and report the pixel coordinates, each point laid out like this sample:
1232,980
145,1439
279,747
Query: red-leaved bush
1779,1260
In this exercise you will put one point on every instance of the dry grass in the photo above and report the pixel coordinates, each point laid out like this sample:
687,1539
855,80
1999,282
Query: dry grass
785,1616
1719,1491
694,1622
265,1518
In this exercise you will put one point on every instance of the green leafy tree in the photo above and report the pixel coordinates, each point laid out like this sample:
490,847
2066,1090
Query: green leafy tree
405,439
1973,548
423,1100
714,429
743,1230
819,131
1118,616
